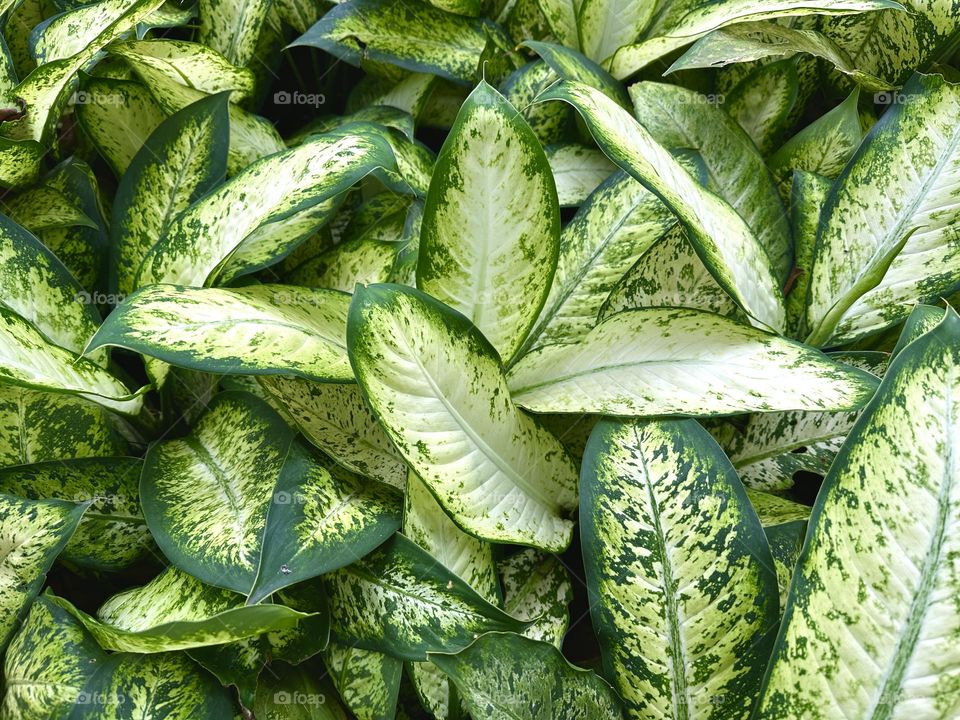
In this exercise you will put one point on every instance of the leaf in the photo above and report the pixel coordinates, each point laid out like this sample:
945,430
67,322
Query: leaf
876,258
296,693
561,16
258,513
921,320
36,285
112,534
167,683
399,600
619,222
491,221
764,103
808,195
19,162
537,587
660,503
677,117
569,64
891,489
668,361
232,27
185,157
577,171
361,260
34,532
336,419
740,265
256,330
604,26
368,681
48,664
700,19
39,426
508,677
415,37
437,386
29,360
204,236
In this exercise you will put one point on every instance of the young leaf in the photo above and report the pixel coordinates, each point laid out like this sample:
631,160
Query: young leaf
883,648
503,676
740,263
689,637
668,361
491,222
437,386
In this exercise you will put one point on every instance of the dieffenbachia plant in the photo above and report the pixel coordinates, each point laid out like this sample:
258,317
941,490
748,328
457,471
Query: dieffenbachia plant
450,360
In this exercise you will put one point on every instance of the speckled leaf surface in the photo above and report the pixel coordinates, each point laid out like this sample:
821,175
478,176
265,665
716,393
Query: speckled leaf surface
666,361
232,27
604,26
723,239
898,191
175,611
265,191
883,649
537,587
491,221
401,601
437,386
808,194
368,681
690,636
577,171
494,675
569,64
765,101
256,330
112,534
181,160
32,534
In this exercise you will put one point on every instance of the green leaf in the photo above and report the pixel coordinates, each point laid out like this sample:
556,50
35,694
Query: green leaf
34,532
690,635
921,320
740,264
668,361
399,600
415,37
360,260
677,117
786,542
764,102
28,359
255,330
368,681
617,224
183,158
336,419
437,386
232,27
880,243
808,195
577,171
491,221
165,685
549,123
39,426
604,26
19,162
258,513
883,648
112,534
694,20
43,208
571,65
296,693
509,677
537,587
47,664
561,17
198,242
175,611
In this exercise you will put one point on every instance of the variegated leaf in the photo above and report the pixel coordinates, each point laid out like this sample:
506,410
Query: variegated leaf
255,330
764,103
739,262
604,26
503,676
360,260
368,681
399,600
297,693
690,635
183,158
922,319
808,195
577,171
232,27
437,386
886,647
537,587
521,88
336,419
112,534
883,241
32,534
491,222
561,17
668,361
569,64
785,525
206,234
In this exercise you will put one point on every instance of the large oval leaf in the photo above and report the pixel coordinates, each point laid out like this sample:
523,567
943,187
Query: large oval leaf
491,222
438,388
667,361
689,635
